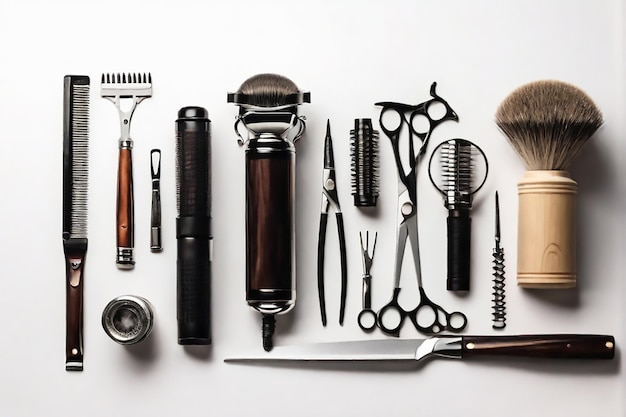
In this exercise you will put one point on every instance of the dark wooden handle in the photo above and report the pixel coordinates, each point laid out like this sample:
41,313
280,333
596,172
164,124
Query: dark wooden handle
125,202
75,250
569,346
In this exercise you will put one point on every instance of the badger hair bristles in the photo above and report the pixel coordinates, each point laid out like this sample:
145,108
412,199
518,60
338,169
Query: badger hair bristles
268,90
547,123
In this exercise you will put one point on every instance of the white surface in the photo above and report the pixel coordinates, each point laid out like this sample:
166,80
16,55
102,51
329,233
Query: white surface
349,55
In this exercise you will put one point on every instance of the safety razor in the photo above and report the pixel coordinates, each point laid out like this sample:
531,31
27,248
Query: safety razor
125,91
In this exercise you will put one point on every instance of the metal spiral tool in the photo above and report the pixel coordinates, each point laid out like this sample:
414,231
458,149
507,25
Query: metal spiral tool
499,305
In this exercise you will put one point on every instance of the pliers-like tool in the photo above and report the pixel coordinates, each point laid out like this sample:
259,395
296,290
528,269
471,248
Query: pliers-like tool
330,198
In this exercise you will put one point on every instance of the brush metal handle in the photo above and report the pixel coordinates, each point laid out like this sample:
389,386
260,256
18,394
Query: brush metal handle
75,250
567,346
459,244
125,208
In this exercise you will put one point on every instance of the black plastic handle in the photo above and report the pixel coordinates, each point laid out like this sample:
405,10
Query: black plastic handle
321,241
459,243
193,280
344,267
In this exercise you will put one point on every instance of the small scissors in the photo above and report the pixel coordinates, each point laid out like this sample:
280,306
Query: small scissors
407,219
330,198
367,317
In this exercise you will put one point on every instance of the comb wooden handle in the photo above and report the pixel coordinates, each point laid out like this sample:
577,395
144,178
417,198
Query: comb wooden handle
125,210
75,250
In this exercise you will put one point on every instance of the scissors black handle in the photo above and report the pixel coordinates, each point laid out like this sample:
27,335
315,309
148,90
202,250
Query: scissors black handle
367,320
399,312
441,319
419,110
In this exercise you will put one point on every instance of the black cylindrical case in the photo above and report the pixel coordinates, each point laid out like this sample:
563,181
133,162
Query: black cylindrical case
193,226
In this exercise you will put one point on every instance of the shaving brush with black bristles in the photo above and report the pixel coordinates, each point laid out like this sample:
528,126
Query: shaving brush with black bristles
547,123
268,126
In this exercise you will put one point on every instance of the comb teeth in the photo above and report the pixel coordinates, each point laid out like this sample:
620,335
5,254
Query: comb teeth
126,85
457,166
123,78
78,166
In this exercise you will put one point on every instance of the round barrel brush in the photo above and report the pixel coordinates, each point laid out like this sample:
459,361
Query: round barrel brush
547,123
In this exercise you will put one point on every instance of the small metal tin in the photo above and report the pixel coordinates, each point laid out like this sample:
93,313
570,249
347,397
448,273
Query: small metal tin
128,319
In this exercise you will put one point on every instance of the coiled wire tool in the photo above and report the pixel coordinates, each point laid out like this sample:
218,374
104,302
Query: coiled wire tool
330,199
499,304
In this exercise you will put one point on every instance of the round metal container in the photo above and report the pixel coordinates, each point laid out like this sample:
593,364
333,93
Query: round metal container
128,319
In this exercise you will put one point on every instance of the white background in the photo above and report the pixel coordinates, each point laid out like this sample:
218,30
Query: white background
349,55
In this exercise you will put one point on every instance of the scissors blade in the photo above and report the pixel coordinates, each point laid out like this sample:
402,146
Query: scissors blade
369,350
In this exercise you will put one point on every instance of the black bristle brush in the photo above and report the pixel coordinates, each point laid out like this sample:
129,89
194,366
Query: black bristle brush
547,123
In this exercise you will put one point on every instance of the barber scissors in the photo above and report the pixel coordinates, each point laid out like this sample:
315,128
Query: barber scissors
330,199
367,317
427,317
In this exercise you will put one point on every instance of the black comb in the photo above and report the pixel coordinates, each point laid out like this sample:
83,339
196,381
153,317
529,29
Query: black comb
75,184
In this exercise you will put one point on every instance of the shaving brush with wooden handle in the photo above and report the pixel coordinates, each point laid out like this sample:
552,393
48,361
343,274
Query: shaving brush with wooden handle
547,123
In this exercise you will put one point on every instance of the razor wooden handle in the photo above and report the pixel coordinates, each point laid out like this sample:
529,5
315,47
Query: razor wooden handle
125,210
568,346
75,250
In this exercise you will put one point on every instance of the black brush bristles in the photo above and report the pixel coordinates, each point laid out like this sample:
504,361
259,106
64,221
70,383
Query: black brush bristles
75,156
365,163
547,122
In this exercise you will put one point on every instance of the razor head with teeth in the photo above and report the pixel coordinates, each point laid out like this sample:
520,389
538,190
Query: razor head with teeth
126,85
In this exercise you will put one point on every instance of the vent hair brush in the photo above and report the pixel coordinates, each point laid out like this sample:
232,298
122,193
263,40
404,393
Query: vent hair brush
75,186
458,169
547,123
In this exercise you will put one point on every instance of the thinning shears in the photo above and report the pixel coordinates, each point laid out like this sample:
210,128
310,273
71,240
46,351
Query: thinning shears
427,317
330,199
367,317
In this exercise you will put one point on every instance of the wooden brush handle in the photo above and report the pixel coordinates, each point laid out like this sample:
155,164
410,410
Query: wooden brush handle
546,246
125,210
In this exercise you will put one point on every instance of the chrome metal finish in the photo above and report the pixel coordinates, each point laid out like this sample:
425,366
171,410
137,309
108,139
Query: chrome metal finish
444,346
125,258
155,213
128,319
